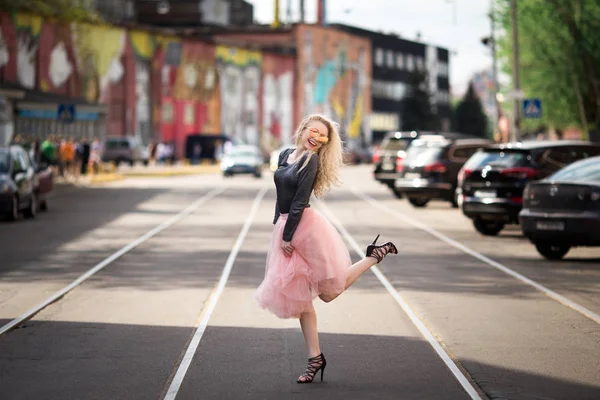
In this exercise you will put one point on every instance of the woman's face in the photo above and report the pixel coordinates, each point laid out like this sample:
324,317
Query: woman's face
314,136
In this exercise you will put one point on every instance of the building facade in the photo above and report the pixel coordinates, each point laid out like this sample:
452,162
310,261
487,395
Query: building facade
393,61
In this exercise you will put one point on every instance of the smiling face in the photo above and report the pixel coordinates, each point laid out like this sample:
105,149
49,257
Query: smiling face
314,136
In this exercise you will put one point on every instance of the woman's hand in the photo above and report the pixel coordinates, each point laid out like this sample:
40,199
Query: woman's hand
287,248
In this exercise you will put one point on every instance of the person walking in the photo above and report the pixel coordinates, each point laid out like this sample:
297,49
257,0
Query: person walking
307,257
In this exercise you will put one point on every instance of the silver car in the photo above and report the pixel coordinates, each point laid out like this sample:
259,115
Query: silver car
242,159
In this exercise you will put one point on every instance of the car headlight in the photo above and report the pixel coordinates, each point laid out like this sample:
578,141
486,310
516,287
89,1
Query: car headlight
4,187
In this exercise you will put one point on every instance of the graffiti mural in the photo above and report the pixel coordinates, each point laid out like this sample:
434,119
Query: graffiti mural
334,79
277,116
99,50
239,81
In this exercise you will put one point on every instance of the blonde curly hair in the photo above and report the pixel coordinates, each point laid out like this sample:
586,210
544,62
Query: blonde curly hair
330,154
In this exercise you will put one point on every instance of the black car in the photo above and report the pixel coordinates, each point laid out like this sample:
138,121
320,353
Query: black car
431,167
18,183
492,180
388,159
563,210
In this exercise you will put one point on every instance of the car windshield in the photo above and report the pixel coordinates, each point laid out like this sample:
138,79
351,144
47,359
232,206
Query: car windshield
242,153
423,154
4,162
582,171
497,158
394,144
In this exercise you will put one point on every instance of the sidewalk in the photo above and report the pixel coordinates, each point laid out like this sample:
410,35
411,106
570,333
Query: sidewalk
155,171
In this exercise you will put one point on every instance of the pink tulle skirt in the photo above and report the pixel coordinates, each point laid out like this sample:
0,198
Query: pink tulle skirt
318,265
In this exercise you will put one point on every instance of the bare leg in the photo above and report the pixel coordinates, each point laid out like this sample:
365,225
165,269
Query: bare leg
354,272
308,322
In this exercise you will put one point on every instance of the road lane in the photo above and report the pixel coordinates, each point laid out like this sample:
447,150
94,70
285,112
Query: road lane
577,277
488,320
41,258
120,334
372,349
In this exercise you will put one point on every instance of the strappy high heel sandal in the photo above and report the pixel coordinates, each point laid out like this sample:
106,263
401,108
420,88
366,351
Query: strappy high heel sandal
379,252
314,365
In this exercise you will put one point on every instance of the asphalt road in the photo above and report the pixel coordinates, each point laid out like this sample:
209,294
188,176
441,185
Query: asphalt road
454,316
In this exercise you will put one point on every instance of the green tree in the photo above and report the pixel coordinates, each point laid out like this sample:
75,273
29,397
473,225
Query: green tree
559,57
417,112
72,10
469,117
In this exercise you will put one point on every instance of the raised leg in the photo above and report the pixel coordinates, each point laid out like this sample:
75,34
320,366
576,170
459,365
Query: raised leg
354,272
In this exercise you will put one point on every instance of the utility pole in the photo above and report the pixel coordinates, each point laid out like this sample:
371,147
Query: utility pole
494,68
276,21
516,99
302,11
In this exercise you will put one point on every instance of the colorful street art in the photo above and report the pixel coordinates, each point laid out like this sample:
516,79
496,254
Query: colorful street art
334,78
239,80
160,87
277,116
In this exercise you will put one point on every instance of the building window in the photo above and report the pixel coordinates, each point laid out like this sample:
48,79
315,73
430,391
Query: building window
384,122
443,69
420,63
389,90
410,63
400,61
443,97
379,57
390,59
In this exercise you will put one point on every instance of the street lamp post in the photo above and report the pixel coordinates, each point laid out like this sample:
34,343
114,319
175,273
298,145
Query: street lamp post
516,100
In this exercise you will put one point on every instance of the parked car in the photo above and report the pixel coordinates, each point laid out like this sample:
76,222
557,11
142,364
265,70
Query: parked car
388,159
45,184
431,167
124,149
242,159
492,180
563,210
18,182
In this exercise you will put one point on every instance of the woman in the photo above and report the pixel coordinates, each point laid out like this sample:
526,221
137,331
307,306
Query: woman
308,258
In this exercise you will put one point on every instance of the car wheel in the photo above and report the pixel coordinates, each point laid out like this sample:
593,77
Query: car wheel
131,163
418,202
31,211
455,203
258,174
488,228
13,215
397,193
552,251
44,205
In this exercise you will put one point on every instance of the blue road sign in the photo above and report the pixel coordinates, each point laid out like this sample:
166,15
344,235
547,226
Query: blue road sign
532,108
66,113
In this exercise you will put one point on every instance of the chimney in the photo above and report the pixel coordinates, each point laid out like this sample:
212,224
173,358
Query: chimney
321,12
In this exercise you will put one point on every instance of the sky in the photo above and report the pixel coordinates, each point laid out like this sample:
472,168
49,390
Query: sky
457,25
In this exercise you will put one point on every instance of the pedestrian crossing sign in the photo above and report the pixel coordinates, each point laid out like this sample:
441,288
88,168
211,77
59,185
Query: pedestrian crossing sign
66,113
532,108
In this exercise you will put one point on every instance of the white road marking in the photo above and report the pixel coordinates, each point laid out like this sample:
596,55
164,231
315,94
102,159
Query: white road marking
417,224
132,245
212,301
462,379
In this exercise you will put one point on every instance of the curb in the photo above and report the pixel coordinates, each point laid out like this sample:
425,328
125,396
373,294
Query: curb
105,178
167,173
